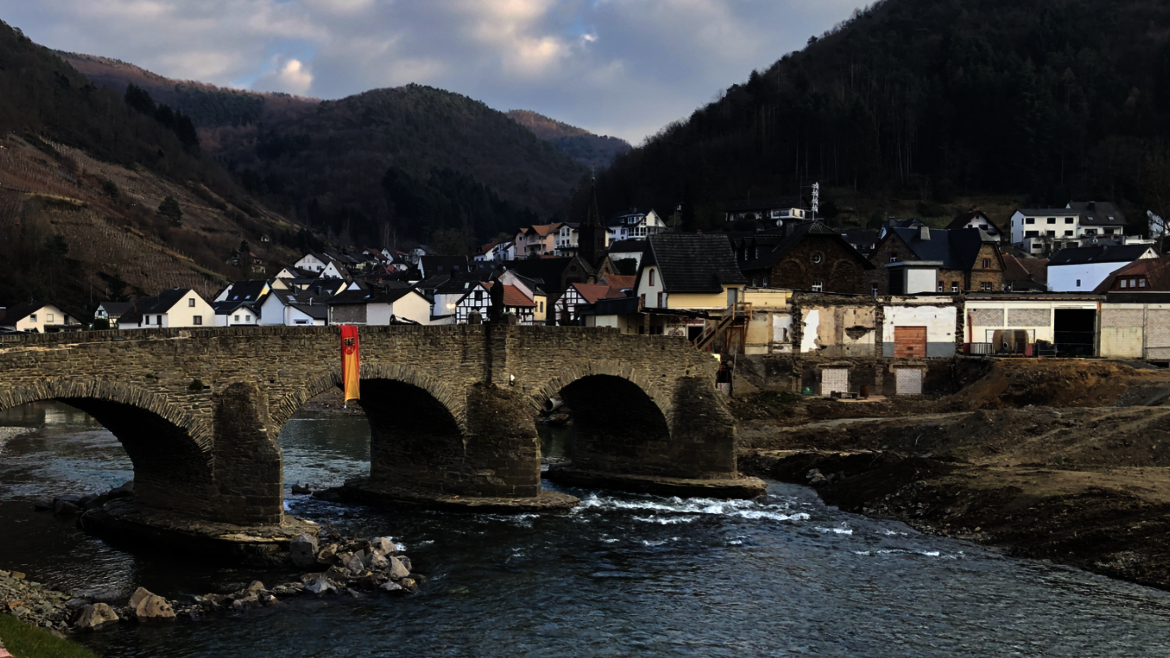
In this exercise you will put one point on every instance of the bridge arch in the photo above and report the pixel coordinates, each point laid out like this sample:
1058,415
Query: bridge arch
640,378
172,452
621,423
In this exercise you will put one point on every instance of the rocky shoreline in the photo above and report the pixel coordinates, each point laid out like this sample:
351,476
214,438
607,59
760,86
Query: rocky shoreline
1103,529
352,568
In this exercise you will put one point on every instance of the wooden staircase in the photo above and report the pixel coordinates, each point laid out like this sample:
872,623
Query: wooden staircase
735,316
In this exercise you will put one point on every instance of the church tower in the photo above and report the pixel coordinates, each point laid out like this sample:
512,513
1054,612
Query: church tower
591,234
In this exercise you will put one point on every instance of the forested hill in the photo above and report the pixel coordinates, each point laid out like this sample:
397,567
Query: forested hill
580,144
84,172
1053,99
403,163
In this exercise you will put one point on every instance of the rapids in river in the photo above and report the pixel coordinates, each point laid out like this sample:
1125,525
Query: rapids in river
620,575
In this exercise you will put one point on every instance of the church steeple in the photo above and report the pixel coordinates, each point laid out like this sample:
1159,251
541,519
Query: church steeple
591,234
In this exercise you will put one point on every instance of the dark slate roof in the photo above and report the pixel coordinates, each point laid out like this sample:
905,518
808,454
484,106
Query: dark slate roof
766,261
21,311
1055,212
957,250
1099,254
694,262
370,296
616,220
1097,213
613,306
246,291
547,272
627,246
165,300
860,236
444,264
229,307
116,309
962,220
315,311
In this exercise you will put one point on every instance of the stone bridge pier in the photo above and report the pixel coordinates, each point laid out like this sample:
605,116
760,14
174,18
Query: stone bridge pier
452,413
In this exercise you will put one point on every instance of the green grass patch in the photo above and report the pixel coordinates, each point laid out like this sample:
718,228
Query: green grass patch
24,641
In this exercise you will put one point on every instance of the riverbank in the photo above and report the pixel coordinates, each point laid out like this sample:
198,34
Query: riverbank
20,640
1087,486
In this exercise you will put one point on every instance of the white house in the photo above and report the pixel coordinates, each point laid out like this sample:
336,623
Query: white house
366,307
236,314
293,310
177,307
313,263
111,311
565,240
1046,230
634,224
627,250
37,316
1082,269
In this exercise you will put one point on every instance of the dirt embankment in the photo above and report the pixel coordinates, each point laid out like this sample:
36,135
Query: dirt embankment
1082,480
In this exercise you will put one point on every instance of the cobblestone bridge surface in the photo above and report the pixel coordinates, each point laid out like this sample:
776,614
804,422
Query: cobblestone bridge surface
451,409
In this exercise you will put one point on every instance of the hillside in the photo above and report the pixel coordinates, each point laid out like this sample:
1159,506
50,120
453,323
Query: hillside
389,163
929,101
82,174
580,144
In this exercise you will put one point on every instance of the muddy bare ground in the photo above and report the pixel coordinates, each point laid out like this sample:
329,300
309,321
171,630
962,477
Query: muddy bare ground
1066,461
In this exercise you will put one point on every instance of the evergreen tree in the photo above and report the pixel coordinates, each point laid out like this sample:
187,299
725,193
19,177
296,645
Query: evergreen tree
170,209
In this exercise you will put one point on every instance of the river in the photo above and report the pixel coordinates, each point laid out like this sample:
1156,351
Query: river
621,575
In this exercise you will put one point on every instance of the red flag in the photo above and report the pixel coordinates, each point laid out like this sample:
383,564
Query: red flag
350,366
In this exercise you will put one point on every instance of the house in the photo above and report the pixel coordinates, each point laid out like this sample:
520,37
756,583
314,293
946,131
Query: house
812,257
381,308
1142,275
554,275
177,307
294,309
577,295
687,271
38,317
250,290
634,224
536,240
566,239
626,255
312,262
1024,274
892,223
512,301
620,282
976,219
532,291
476,300
768,213
863,240
111,311
236,314
496,252
1082,269
1046,230
621,313
909,261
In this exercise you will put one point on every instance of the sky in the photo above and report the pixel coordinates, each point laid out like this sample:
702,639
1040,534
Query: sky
615,67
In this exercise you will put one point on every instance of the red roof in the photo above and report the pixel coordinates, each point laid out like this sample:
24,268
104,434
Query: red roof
593,291
1156,272
620,281
514,297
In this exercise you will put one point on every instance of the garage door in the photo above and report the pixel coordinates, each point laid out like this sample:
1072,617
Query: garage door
910,342
909,381
834,380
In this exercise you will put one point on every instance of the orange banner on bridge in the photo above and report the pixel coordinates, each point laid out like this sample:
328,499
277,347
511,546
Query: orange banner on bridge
350,367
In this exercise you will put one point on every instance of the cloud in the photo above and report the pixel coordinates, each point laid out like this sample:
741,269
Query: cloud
613,66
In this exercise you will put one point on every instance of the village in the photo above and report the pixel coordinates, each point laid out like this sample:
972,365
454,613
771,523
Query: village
846,312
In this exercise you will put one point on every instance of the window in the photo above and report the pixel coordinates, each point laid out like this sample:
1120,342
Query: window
198,319
1030,220
986,263
954,286
1090,231
660,299
816,258
1068,220
1141,283
985,286
1068,234
247,317
940,286
893,258
757,252
643,299
873,287
817,286
541,306
146,317
191,302
1078,283
50,318
1031,234
1051,220
652,275
478,295
236,317
32,318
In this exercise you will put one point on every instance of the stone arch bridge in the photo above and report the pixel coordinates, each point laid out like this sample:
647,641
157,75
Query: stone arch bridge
451,409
